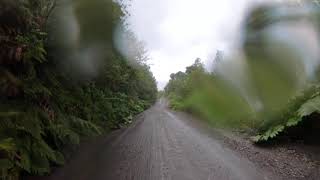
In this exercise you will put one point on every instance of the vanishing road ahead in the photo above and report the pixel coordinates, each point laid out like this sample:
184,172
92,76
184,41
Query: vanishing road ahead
159,145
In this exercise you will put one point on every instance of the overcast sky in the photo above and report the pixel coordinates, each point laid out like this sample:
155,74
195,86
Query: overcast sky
176,32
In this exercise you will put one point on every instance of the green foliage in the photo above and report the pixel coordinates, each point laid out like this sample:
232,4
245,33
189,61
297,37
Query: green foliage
299,108
43,107
34,46
271,133
175,102
279,73
181,83
222,105
7,145
261,93
309,107
208,96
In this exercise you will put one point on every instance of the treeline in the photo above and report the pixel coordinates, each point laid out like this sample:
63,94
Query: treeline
52,92
220,103
267,93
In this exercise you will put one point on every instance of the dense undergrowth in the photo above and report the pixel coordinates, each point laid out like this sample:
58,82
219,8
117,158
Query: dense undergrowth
46,103
204,95
270,97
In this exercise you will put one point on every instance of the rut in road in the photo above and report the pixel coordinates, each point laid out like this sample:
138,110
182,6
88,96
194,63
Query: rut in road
159,146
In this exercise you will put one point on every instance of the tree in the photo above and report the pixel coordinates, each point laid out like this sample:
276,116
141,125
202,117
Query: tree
47,102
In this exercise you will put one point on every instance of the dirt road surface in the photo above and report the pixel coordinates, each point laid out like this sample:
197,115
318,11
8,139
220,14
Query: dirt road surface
159,145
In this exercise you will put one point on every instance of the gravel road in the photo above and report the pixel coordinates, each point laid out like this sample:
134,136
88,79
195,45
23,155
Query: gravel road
159,145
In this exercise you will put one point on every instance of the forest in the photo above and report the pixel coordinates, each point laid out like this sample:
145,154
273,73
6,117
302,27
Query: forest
57,88
274,96
75,70
206,95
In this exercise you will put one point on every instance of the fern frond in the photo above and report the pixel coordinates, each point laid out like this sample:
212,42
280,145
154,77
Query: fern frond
64,134
85,126
309,107
305,108
7,145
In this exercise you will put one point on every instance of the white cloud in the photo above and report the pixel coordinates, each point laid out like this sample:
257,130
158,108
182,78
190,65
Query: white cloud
176,32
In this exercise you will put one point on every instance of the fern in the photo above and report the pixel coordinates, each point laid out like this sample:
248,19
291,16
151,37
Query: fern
271,133
306,108
311,106
85,126
7,145
293,121
36,155
63,134
44,108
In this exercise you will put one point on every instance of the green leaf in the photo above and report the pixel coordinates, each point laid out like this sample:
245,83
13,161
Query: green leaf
59,158
269,134
42,33
7,145
293,121
25,161
311,106
256,138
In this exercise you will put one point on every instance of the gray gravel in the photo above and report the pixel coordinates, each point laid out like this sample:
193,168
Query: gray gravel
160,145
